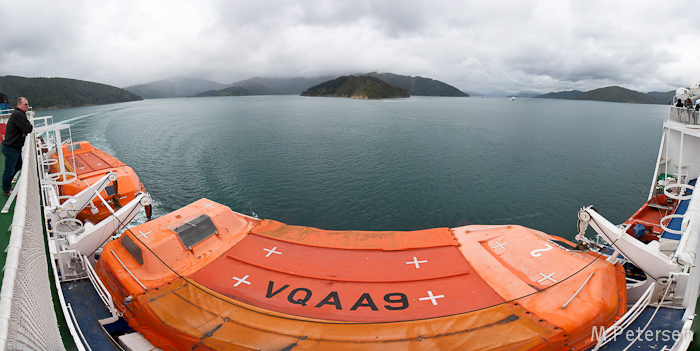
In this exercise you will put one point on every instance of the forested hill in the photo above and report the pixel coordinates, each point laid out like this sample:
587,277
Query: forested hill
419,85
50,93
614,94
240,90
561,95
361,87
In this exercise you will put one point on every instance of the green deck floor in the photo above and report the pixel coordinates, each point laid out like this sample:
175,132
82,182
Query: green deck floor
5,221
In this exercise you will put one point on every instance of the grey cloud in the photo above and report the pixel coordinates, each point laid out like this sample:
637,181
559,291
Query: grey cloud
545,46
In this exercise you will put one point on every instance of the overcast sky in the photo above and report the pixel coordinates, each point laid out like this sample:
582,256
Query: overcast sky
477,46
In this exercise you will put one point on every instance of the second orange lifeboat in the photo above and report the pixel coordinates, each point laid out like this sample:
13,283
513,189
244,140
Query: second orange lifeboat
88,164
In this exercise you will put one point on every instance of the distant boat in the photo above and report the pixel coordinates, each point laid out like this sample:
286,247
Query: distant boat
512,98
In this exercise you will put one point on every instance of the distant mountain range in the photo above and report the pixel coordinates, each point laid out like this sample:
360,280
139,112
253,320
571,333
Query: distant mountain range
287,86
356,87
174,87
47,93
182,87
614,94
265,86
52,93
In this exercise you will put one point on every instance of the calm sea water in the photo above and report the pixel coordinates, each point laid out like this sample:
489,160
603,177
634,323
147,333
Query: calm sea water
405,164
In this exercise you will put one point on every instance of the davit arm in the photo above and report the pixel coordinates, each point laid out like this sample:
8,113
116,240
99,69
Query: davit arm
87,237
647,257
74,204
94,235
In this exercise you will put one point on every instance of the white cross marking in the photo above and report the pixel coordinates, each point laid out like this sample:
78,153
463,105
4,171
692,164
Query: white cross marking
416,262
145,235
431,298
547,277
271,251
240,280
211,205
499,245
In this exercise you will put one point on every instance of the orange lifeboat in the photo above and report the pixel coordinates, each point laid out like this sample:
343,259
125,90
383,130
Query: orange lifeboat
645,224
206,278
88,164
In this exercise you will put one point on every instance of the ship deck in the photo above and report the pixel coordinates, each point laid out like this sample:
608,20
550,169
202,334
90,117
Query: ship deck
658,335
83,295
89,309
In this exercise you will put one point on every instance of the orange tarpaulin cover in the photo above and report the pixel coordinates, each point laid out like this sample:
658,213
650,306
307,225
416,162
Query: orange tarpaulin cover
205,317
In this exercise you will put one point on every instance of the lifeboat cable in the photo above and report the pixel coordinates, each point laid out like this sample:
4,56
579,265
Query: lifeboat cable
196,285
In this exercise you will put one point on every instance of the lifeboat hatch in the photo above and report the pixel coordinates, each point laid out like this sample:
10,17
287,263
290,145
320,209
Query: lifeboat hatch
564,245
195,230
109,190
133,249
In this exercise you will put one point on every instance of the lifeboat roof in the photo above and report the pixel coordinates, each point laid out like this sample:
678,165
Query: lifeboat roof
88,159
204,274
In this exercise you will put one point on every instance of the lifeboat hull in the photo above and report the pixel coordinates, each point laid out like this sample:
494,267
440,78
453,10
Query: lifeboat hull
90,164
205,277
645,223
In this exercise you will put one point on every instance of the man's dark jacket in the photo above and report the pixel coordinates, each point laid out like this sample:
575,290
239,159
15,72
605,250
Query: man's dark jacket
17,129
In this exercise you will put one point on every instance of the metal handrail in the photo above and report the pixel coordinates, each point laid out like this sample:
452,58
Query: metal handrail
685,338
577,291
77,327
99,286
14,248
627,319
127,270
684,115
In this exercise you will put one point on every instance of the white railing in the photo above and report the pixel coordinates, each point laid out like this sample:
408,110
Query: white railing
685,338
619,327
101,290
684,115
27,318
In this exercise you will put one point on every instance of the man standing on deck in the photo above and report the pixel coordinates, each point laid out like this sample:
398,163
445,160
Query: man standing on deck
18,127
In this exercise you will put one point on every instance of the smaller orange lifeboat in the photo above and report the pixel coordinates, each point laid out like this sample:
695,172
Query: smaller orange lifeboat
645,224
88,164
207,278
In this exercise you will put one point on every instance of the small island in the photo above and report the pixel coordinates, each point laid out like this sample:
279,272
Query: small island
357,87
